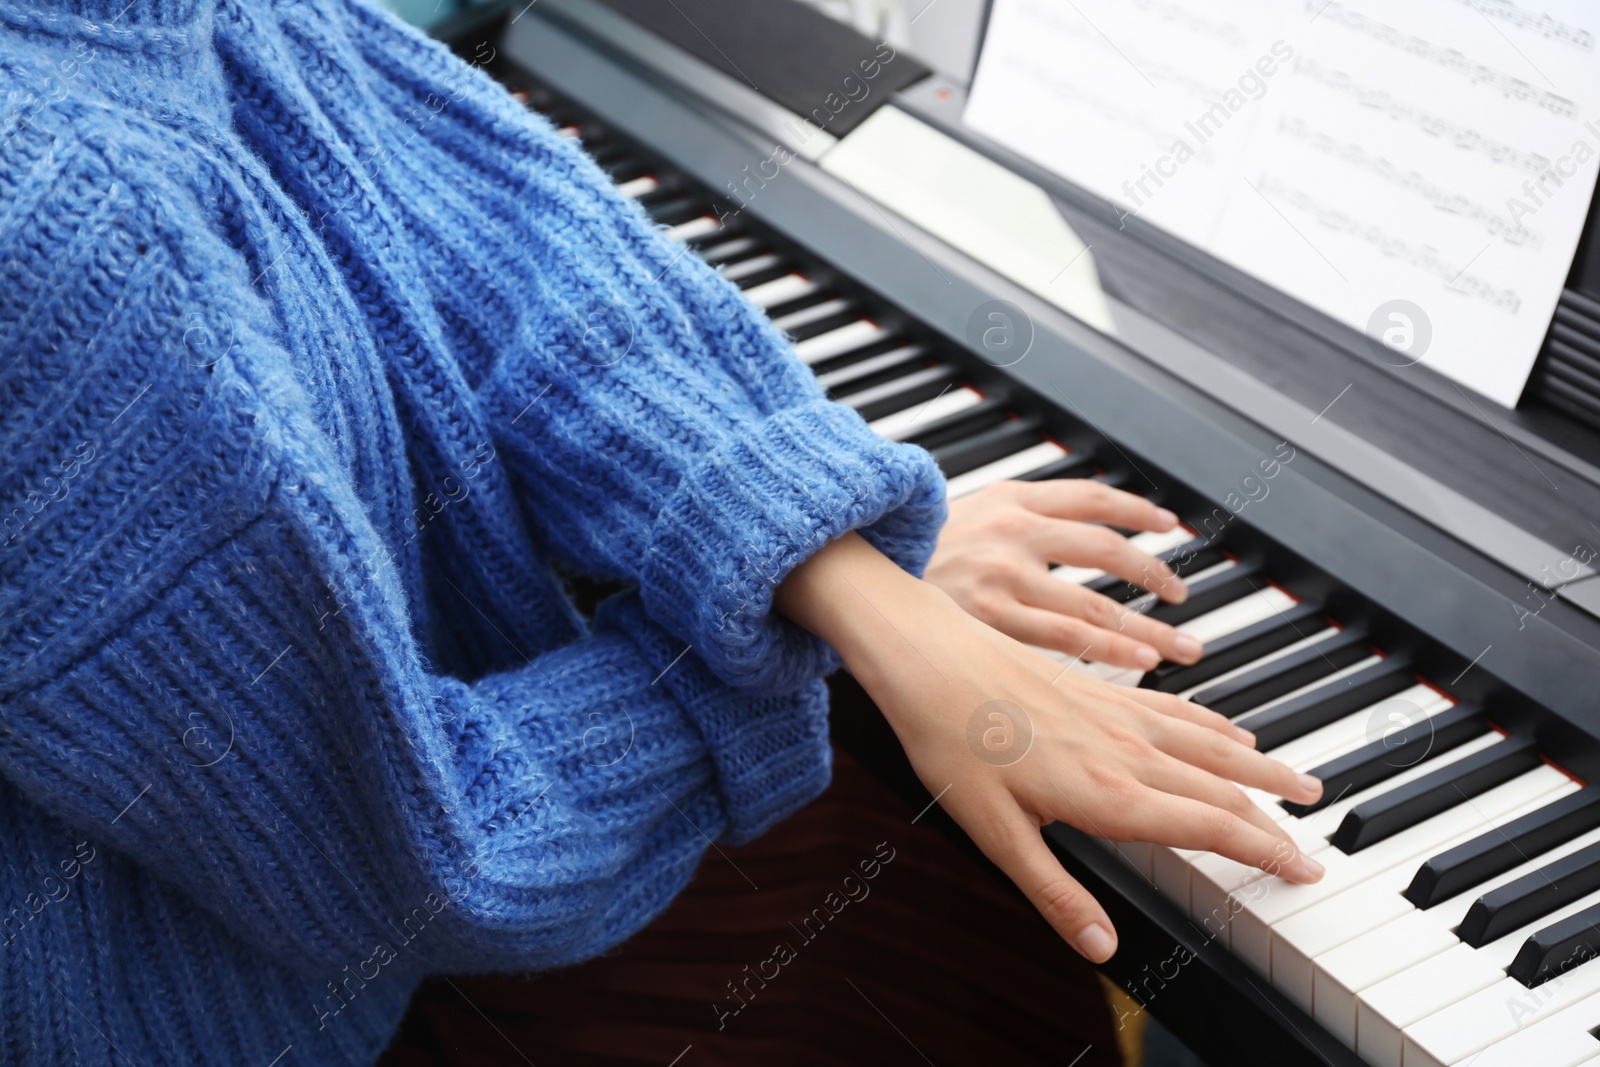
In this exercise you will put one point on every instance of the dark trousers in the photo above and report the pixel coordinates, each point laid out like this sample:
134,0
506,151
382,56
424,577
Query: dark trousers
848,935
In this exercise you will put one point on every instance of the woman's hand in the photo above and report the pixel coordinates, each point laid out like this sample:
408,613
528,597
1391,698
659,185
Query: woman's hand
996,550
1007,751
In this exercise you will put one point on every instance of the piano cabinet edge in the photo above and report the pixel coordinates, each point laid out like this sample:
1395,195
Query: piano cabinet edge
1227,1014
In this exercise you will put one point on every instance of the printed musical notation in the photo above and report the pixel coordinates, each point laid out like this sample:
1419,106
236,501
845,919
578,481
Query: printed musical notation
1493,220
1543,23
1425,121
1448,59
1349,152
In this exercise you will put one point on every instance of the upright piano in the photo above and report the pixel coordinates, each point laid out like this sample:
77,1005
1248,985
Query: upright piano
1395,579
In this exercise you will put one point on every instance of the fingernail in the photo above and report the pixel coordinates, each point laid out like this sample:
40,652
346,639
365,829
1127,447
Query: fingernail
1311,785
1187,648
1147,658
1175,589
1245,736
1166,517
1310,867
1095,942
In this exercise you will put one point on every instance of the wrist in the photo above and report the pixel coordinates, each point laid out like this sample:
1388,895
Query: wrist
857,600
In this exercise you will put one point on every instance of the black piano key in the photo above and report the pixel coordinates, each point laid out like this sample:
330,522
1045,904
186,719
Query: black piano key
678,210
1006,439
1497,851
1116,479
1417,801
891,342
1388,756
614,158
1327,703
1558,948
883,367
1286,673
1210,593
761,277
940,432
890,397
815,326
1242,646
1531,897
622,168
1186,559
664,190
1074,465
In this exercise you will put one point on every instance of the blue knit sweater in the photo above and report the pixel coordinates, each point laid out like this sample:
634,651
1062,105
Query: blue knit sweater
322,360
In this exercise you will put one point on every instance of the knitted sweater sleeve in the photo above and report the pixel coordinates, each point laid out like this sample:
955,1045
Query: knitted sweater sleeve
660,429
174,685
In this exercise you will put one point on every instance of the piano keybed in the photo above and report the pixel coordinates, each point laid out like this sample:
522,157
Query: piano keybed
1459,919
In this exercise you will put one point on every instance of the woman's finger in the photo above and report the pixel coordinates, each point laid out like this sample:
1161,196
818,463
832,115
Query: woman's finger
1178,708
1013,843
1180,778
1181,822
1072,635
1080,544
1065,598
1087,500
1213,752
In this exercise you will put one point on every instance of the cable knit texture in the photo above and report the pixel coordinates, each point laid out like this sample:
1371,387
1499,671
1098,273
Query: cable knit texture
320,354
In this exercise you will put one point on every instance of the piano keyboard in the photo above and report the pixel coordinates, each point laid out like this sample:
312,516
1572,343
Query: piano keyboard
1459,919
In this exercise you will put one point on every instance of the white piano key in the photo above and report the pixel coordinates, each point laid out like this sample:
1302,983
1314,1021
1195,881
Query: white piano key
807,315
1352,731
688,231
1258,605
1385,1008
877,364
1175,869
1338,738
1251,934
1298,940
1563,1040
1418,934
1013,466
1342,672
902,424
639,186
1286,650
1213,878
1367,961
837,342
743,268
780,290
724,251
1496,1012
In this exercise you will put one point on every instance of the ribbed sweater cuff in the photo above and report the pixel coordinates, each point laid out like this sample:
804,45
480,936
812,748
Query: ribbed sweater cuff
771,752
764,501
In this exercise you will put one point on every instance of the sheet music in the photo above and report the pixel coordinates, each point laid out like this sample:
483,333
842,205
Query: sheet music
1419,171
